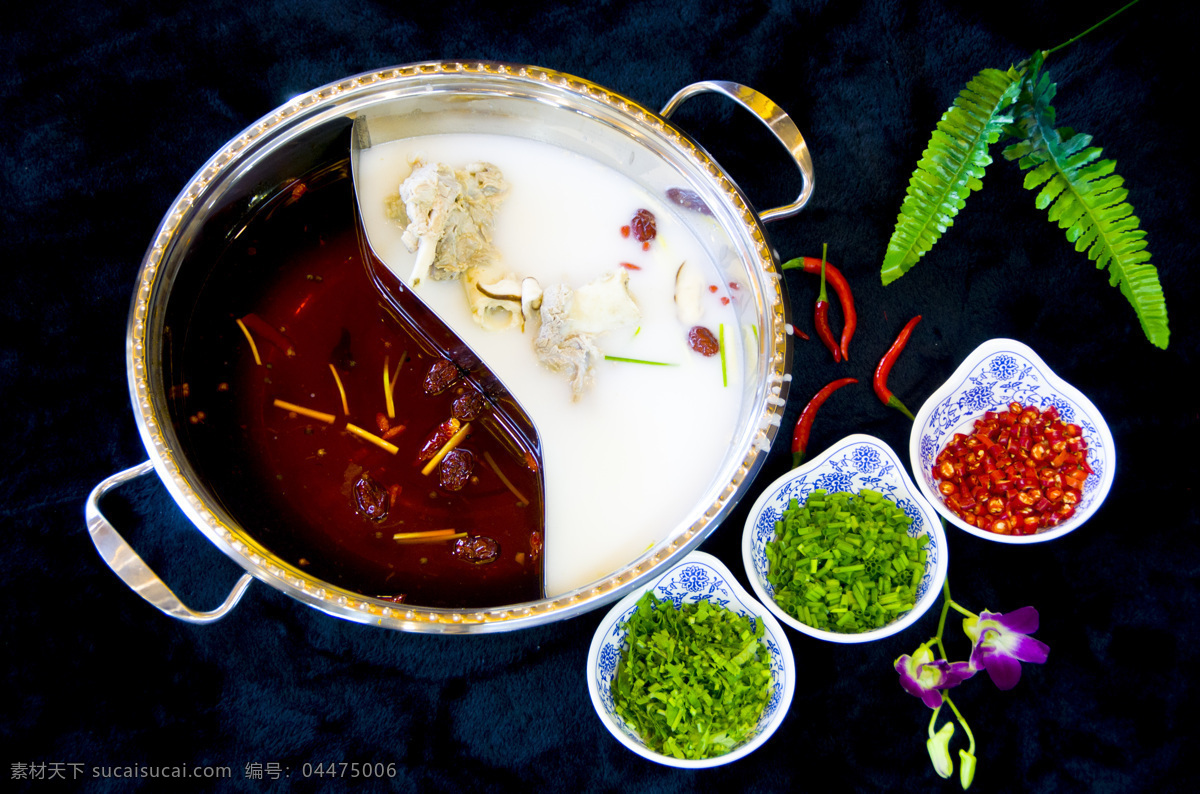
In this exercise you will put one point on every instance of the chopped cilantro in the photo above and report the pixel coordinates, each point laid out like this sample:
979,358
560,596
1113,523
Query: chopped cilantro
692,682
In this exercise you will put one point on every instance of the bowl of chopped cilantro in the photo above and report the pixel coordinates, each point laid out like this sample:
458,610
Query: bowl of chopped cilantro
846,548
690,671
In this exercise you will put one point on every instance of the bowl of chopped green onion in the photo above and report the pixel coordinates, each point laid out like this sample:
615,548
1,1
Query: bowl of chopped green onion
690,671
846,548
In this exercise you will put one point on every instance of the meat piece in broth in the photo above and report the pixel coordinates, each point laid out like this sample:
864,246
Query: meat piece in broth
449,216
572,319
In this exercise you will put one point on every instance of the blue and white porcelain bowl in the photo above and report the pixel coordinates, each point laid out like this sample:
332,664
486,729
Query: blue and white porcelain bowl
999,372
855,463
697,577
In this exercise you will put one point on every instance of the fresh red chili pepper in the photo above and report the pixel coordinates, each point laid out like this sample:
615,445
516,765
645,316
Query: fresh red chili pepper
999,477
821,317
805,423
885,367
841,288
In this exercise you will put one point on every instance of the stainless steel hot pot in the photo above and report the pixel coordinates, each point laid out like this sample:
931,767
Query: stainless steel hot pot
428,98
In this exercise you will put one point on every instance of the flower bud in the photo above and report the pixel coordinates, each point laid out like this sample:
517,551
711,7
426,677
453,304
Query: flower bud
939,750
966,769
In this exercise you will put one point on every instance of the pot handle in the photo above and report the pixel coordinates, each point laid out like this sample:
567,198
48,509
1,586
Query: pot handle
132,569
778,122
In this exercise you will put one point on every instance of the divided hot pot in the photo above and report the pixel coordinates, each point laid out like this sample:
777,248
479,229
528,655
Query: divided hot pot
307,141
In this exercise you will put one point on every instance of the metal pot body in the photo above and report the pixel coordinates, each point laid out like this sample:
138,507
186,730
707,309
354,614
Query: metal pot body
422,99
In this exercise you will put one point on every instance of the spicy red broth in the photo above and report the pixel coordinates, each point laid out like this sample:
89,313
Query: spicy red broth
287,415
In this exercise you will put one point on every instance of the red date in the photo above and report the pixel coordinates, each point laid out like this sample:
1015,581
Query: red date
441,376
469,406
371,498
703,342
456,469
477,549
688,199
643,226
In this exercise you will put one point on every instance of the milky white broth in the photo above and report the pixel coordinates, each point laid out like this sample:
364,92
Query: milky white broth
632,458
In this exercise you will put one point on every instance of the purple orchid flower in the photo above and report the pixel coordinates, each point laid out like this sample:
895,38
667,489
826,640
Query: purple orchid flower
924,677
1001,644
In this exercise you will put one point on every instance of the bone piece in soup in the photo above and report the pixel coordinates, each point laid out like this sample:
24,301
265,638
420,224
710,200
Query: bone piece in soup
450,217
572,319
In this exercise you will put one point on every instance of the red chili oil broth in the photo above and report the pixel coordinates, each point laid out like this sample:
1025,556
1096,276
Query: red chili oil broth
288,479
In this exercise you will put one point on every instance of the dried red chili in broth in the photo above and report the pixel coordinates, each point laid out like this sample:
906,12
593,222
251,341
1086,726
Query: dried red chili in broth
438,439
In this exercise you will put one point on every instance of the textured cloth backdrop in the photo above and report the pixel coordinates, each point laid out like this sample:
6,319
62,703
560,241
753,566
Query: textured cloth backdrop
109,108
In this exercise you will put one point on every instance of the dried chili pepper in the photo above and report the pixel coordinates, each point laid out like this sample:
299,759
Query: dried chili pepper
805,423
885,367
841,288
821,316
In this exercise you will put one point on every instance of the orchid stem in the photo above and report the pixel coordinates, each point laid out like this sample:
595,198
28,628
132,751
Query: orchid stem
942,620
958,715
958,608
933,719
948,603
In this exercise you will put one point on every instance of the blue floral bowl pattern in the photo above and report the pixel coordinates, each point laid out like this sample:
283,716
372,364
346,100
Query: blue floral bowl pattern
998,372
698,577
855,463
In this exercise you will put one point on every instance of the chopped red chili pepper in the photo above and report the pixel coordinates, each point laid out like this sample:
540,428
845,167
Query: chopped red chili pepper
993,478
885,368
805,423
841,288
821,316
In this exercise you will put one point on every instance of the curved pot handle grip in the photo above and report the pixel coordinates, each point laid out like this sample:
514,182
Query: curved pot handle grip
132,569
778,122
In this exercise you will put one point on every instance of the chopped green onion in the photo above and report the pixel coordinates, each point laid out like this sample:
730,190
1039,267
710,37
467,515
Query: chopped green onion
721,344
692,682
640,361
863,542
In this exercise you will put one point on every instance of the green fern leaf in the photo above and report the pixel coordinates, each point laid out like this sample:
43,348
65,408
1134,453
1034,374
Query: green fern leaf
1085,196
950,168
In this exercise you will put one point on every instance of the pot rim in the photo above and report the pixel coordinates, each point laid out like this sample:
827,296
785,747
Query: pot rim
339,99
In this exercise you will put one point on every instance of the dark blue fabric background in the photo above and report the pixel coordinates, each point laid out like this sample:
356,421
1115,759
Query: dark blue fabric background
108,109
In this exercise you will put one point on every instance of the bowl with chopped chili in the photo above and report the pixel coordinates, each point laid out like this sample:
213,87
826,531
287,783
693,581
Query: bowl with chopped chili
689,670
846,548
1008,451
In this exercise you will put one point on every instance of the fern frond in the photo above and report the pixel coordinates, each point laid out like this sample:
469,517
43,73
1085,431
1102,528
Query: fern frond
1085,196
950,168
